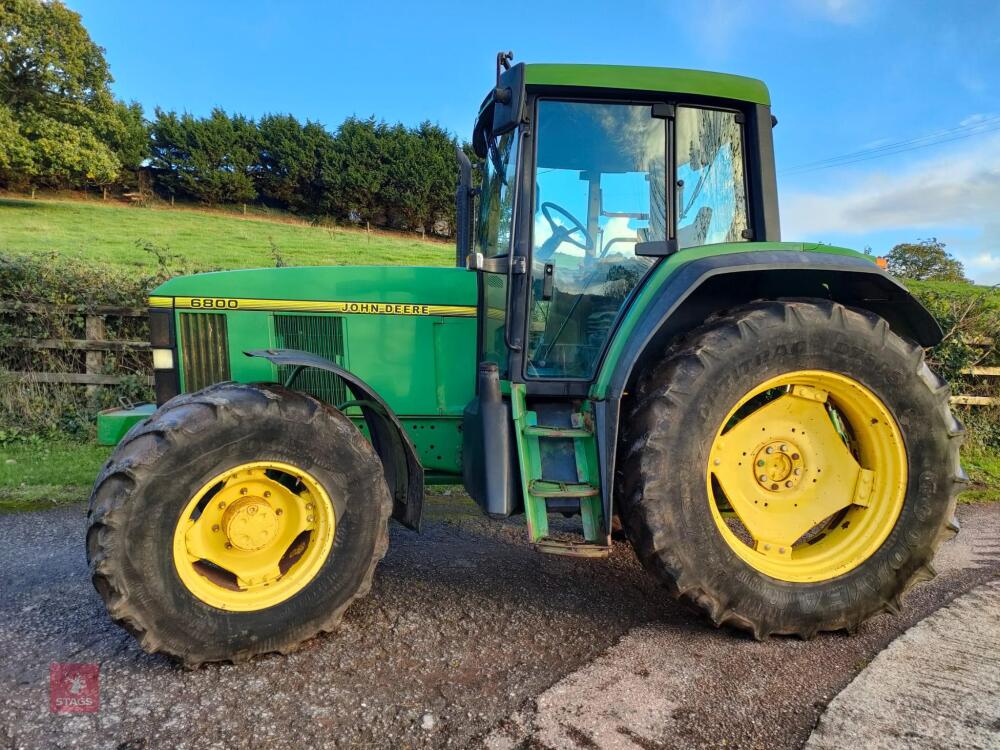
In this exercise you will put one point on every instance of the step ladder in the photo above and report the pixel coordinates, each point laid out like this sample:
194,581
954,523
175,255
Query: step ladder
542,495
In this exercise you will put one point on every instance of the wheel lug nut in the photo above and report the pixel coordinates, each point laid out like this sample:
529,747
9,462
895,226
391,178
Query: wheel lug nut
222,504
767,547
309,519
769,449
309,506
267,493
798,471
278,512
774,486
781,550
761,462
788,483
215,527
783,448
243,490
763,477
795,456
717,462
228,545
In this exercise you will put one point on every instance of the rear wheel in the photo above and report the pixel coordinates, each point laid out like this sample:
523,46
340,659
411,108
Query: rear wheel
790,468
235,521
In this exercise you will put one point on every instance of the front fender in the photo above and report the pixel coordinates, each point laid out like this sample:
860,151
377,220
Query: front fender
403,472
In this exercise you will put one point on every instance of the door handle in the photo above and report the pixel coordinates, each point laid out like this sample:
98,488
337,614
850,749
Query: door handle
547,279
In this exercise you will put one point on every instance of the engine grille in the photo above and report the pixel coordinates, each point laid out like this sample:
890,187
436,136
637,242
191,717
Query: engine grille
204,344
318,334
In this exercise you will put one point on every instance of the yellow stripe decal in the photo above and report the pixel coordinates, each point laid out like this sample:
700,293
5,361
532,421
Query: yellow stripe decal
343,308
161,301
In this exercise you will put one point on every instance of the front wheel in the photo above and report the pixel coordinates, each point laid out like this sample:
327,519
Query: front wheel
791,467
235,521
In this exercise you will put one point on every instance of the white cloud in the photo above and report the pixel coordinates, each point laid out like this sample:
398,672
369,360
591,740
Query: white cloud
955,193
956,189
985,261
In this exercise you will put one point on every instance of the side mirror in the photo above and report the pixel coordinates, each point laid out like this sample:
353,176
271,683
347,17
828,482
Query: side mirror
508,100
463,208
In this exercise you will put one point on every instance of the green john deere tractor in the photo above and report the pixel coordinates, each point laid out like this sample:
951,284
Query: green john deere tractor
624,337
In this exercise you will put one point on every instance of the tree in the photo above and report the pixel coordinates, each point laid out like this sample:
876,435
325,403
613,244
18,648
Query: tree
353,174
287,172
128,136
925,260
56,97
209,159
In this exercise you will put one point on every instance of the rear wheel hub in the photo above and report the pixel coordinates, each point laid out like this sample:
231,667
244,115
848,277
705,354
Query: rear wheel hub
807,476
778,466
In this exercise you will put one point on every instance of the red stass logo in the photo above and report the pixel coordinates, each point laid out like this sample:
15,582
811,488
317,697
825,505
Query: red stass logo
74,688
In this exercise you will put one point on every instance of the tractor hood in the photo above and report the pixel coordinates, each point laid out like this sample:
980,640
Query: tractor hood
329,285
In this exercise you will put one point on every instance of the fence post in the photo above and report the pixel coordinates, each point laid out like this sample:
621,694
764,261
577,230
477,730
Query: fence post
94,331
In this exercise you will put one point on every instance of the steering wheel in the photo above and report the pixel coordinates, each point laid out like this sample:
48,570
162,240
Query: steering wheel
562,233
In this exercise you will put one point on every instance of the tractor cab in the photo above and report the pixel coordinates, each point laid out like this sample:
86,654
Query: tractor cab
587,184
591,177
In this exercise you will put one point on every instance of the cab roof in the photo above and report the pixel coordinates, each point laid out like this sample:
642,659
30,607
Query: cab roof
674,80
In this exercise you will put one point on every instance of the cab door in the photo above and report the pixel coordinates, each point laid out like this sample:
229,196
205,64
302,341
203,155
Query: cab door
599,213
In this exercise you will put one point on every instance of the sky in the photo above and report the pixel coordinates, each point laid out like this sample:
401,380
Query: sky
889,110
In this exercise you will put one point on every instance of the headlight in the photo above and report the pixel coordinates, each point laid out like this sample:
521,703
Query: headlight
163,359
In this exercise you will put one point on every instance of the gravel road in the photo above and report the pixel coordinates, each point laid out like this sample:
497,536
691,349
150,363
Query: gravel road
465,630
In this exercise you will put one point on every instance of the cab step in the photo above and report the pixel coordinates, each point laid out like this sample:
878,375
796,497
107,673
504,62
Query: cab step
559,472
572,549
547,488
557,432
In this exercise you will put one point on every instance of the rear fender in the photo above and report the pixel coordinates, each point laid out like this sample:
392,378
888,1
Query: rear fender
706,285
403,472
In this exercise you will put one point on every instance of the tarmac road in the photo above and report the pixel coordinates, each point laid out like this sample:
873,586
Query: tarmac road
464,637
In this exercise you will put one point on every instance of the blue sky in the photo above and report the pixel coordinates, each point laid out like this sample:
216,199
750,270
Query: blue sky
845,76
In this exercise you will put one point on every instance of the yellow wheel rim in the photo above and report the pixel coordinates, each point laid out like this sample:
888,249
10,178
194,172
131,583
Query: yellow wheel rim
253,536
807,475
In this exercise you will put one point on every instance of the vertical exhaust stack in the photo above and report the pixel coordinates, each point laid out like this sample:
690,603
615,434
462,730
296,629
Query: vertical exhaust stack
463,208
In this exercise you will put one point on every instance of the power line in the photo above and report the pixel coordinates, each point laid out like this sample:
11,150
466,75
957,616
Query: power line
887,146
987,125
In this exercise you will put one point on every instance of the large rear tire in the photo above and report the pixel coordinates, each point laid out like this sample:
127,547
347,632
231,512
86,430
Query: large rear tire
722,489
236,521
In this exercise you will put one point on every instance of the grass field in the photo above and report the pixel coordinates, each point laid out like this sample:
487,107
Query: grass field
204,239
38,476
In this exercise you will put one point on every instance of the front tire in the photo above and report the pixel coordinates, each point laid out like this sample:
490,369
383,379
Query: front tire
236,521
722,487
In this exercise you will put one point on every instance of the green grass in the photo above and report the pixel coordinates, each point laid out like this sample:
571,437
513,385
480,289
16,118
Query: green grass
38,476
983,469
205,239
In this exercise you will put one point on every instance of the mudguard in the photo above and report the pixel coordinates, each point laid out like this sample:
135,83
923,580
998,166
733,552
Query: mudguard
696,289
403,472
